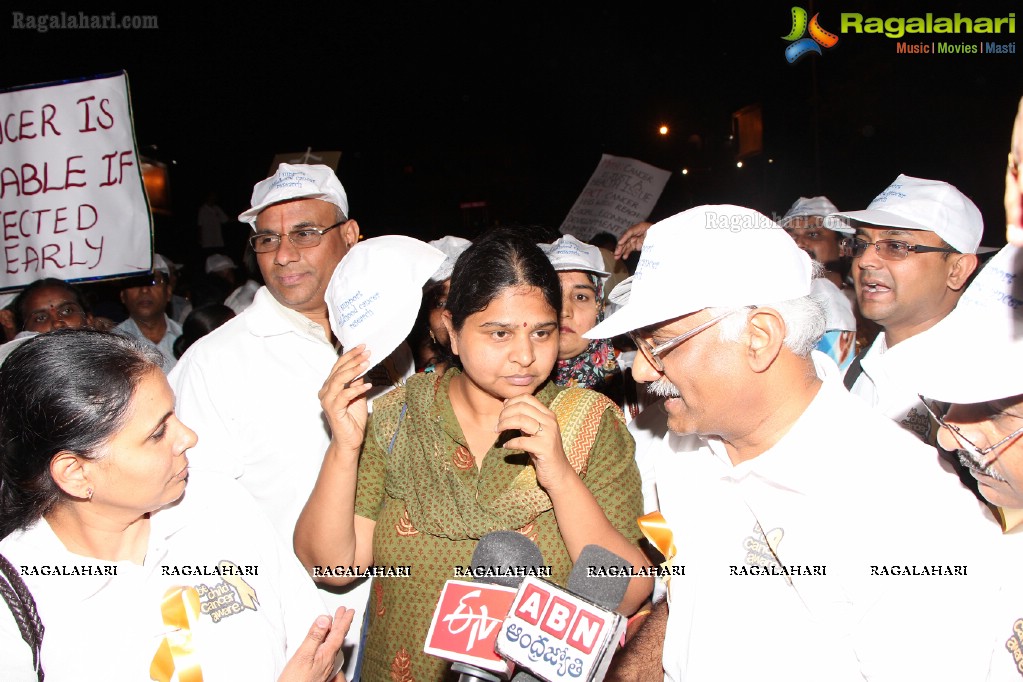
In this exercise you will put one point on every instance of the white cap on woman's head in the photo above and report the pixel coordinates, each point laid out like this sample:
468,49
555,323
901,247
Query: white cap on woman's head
974,354
452,248
710,256
296,181
568,253
918,204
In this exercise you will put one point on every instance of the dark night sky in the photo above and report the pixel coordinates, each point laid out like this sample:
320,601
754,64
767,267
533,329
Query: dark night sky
437,103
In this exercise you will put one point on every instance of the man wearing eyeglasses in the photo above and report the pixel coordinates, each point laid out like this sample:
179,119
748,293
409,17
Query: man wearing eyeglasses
804,519
250,387
147,313
968,370
913,251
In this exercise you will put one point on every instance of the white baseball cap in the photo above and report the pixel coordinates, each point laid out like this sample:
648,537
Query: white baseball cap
218,262
974,354
296,181
161,264
374,294
568,253
805,207
710,256
452,247
918,204
838,309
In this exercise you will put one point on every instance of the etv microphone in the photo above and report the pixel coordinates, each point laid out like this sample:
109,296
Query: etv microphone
556,634
468,616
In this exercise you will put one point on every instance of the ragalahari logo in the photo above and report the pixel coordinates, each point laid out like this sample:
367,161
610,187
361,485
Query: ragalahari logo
801,46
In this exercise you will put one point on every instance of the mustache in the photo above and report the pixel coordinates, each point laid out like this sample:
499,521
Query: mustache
663,389
969,461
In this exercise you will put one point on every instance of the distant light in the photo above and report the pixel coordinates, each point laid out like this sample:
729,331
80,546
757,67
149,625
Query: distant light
685,171
663,130
739,165
770,161
731,137
174,162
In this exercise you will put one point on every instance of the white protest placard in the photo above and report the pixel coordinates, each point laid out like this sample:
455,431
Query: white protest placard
72,202
619,194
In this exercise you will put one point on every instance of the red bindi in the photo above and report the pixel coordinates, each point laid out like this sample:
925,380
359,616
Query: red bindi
523,324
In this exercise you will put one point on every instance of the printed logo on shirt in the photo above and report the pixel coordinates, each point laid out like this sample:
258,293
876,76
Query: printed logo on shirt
919,423
229,596
761,548
1015,645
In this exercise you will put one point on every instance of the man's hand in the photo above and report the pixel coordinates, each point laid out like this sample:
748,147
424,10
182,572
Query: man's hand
631,240
314,659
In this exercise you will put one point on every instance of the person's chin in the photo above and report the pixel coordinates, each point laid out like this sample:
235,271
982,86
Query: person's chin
998,492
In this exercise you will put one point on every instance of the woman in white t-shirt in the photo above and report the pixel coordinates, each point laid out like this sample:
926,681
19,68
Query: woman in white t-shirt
132,576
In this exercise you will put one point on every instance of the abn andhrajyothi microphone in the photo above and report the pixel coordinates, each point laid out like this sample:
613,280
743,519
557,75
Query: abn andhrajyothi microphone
468,616
557,634
373,297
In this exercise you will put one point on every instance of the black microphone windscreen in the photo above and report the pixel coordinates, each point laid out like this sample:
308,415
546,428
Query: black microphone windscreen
504,551
606,588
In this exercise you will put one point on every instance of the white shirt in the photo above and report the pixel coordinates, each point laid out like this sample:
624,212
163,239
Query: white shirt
249,391
9,347
166,345
844,489
876,388
111,627
1006,611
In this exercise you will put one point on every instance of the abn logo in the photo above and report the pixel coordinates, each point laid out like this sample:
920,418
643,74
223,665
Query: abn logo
803,46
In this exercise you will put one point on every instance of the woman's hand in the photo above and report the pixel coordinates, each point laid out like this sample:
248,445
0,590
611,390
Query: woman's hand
541,438
343,399
314,659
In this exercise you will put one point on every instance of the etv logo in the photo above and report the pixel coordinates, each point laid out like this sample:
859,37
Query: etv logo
803,46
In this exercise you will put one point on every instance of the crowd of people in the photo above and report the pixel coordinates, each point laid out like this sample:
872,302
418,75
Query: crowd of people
826,446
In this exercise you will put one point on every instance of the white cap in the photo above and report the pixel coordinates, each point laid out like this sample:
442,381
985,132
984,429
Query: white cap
218,262
838,309
619,296
161,264
452,247
296,181
568,253
806,207
918,204
374,294
975,354
710,256
7,299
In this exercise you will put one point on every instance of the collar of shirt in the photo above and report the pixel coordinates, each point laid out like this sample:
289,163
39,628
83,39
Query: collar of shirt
270,318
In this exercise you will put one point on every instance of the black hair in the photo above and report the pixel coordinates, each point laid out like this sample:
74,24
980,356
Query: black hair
199,323
496,261
69,389
18,305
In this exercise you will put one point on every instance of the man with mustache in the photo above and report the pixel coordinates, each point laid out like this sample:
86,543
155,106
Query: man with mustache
913,251
147,313
968,370
794,508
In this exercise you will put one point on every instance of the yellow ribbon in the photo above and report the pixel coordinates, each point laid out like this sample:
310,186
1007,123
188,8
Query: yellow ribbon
230,575
180,608
656,530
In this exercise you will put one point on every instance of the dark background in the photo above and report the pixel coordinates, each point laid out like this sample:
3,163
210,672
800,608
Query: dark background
438,103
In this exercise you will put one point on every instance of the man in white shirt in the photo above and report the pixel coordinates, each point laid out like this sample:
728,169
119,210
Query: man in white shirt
819,540
913,251
147,312
249,389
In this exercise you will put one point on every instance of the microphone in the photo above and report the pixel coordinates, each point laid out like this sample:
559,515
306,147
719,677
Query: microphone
555,634
468,616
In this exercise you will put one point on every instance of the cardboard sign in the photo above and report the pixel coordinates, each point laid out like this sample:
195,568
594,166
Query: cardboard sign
620,193
72,202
